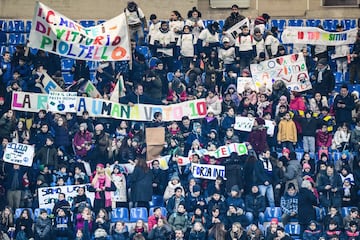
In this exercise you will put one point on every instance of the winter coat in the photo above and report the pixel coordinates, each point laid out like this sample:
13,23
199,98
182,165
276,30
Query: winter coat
43,228
63,227
326,85
239,217
79,140
255,203
124,235
263,174
61,136
307,201
289,203
197,235
293,173
179,221
312,235
170,190
343,114
327,197
141,185
7,126
323,139
258,139
161,233
287,131
48,156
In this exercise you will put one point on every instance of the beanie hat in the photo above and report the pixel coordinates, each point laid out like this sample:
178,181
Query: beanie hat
235,188
84,125
274,220
196,188
285,150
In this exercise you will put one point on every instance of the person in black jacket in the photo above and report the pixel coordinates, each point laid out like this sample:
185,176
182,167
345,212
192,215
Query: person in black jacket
343,106
306,203
13,182
47,155
234,18
323,80
355,61
138,96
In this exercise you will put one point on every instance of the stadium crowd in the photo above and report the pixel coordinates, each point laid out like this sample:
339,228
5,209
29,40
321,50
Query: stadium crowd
321,125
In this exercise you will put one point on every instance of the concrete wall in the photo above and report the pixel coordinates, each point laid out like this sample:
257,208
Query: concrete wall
105,9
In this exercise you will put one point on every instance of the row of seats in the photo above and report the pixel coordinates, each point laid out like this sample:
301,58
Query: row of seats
33,214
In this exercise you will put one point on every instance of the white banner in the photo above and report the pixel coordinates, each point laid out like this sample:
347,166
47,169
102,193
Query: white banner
91,90
270,127
18,153
53,32
244,124
235,30
62,102
48,196
245,83
317,36
207,171
50,84
291,69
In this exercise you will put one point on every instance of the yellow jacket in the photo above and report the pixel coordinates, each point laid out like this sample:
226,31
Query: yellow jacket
287,131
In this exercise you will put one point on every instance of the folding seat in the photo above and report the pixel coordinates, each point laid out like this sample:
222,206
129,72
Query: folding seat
330,24
163,211
139,213
93,65
279,23
346,211
17,26
272,212
296,22
87,23
144,50
67,64
157,201
313,22
152,62
28,26
349,23
18,212
293,230
68,78
38,210
338,77
120,214
16,38
221,23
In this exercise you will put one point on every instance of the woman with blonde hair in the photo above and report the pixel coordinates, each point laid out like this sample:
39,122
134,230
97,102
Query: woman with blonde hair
217,232
139,229
236,232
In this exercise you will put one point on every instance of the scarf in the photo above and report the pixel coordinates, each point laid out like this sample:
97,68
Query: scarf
267,165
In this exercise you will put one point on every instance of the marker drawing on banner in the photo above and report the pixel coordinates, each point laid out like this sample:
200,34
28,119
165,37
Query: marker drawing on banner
235,30
62,102
33,102
291,69
270,127
208,171
50,84
244,83
244,124
18,153
317,36
53,32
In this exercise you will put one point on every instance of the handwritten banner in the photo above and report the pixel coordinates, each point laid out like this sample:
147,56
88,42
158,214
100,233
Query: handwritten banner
235,30
244,124
245,83
53,32
291,69
33,102
50,84
18,153
207,171
317,36
48,196
62,102
91,90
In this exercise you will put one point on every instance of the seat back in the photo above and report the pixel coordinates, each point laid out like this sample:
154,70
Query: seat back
163,211
18,212
139,213
120,214
272,212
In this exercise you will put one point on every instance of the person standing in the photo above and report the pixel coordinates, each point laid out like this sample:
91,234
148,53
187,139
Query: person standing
234,18
136,21
141,184
343,106
13,181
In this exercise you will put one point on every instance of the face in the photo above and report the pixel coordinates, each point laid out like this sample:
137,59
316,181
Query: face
235,228
291,191
343,92
317,96
60,121
178,193
156,165
140,90
329,171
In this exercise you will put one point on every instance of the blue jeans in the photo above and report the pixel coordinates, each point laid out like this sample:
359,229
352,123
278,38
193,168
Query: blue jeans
268,191
260,218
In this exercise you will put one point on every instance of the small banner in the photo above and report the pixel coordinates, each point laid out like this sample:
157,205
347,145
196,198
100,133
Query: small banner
62,102
235,30
207,171
244,124
18,153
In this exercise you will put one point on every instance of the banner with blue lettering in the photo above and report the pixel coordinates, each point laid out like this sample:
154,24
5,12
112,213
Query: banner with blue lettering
207,171
18,153
53,32
62,102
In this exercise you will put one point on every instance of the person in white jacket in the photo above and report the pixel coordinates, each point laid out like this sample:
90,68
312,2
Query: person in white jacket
170,189
341,53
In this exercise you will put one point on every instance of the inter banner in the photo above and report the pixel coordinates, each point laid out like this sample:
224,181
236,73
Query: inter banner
53,32
317,36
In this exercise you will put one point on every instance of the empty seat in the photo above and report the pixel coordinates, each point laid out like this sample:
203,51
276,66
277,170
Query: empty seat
152,62
157,201
346,211
16,38
67,64
338,77
93,65
87,23
100,21
28,26
120,214
272,212
330,24
163,211
221,23
19,211
38,210
349,23
313,22
296,22
17,26
139,213
68,78
279,23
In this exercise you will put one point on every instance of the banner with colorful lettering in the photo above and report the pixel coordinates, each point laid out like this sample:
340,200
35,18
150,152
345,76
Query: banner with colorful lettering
53,32
50,84
291,69
18,153
207,171
317,36
244,83
48,196
62,102
33,102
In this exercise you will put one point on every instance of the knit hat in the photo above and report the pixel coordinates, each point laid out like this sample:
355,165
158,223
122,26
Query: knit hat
136,126
285,150
41,178
257,30
175,177
196,188
274,220
323,61
235,188
306,166
84,125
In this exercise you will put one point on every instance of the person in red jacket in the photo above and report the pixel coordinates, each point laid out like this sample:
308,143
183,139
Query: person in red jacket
153,219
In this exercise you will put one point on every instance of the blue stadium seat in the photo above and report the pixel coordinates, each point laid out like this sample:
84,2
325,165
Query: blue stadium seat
279,23
272,212
17,26
68,78
296,22
3,25
152,62
3,49
299,155
320,214
120,214
100,21
330,24
16,38
66,64
336,156
28,26
37,212
144,50
349,23
18,212
221,23
93,65
157,201
87,23
139,213
313,22
345,211
170,76
338,77
293,230
163,211
208,22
